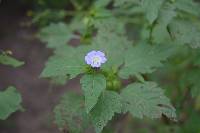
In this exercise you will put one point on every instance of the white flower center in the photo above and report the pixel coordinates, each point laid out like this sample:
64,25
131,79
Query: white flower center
96,59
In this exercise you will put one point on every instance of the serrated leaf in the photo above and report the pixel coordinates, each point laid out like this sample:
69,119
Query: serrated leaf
70,113
151,9
144,58
185,32
111,35
93,86
160,33
10,61
55,35
71,64
10,101
108,104
147,100
188,6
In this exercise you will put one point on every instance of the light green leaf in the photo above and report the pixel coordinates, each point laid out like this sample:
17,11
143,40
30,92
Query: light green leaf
56,35
144,58
10,101
93,86
108,104
8,60
185,32
70,113
147,100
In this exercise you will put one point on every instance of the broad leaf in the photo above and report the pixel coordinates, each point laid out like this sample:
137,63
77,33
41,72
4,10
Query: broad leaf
10,101
93,86
10,61
112,41
151,9
144,58
147,100
188,6
185,32
56,35
70,113
160,33
108,104
71,64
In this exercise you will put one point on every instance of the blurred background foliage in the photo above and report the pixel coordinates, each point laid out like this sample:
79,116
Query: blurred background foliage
179,77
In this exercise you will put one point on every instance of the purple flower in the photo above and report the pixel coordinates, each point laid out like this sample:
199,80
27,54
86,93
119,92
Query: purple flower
95,58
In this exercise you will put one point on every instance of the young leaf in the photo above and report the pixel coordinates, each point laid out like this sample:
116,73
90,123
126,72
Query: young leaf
8,60
10,101
108,104
185,32
93,86
144,58
147,99
70,113
56,35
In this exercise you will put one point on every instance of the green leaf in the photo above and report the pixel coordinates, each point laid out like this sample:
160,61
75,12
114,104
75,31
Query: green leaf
70,113
56,35
71,64
108,104
110,36
151,9
144,58
8,60
10,101
101,3
188,6
185,32
147,100
160,33
191,79
93,86
123,2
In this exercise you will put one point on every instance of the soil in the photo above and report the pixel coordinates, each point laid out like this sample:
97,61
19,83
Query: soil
39,96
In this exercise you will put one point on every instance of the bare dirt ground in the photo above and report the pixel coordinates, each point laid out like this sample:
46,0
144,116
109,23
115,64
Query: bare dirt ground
39,96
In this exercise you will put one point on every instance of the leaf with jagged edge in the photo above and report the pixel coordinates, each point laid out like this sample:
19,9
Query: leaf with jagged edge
160,32
112,41
56,34
92,85
185,32
147,100
70,113
150,8
144,58
188,6
10,101
71,64
10,61
108,104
